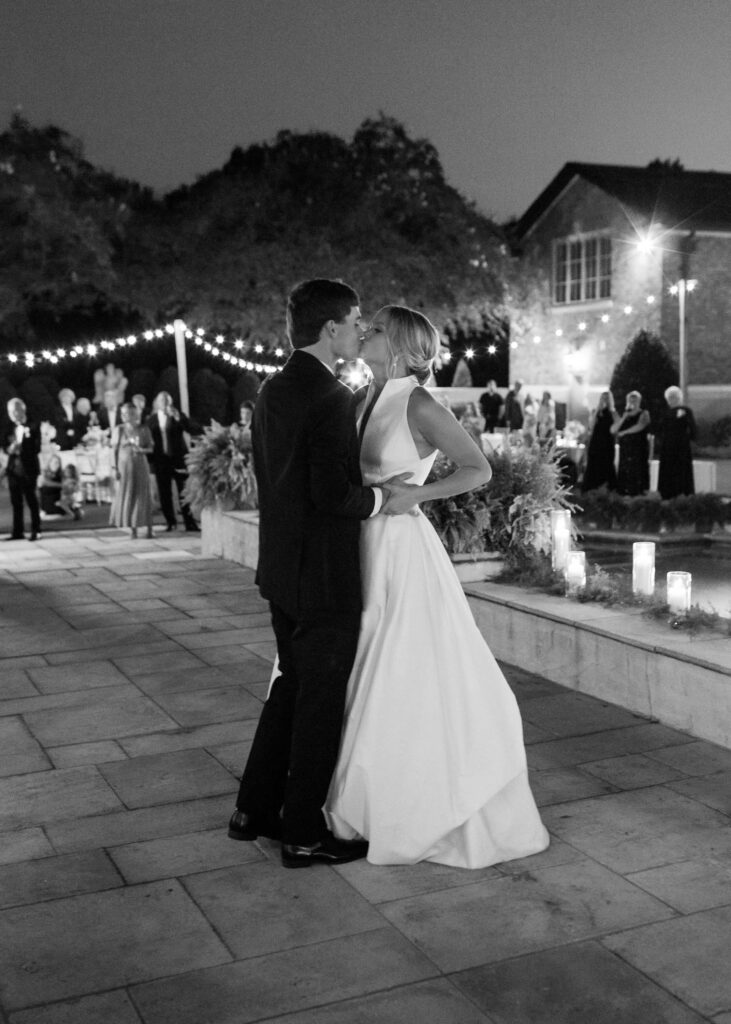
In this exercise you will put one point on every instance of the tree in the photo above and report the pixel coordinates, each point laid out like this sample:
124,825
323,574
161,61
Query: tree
645,366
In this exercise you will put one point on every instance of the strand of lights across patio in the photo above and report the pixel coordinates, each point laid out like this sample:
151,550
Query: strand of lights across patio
215,348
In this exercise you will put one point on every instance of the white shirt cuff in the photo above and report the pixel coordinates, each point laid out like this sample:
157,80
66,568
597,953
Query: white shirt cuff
378,494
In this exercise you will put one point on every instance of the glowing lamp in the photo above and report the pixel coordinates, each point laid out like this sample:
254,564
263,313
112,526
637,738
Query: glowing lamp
643,568
576,570
560,538
678,592
469,353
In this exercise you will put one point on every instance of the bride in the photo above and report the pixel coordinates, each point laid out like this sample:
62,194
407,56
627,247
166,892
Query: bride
432,764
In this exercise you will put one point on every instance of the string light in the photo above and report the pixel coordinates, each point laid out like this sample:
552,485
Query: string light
94,349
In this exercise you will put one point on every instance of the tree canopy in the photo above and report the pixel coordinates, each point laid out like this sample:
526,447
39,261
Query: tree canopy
85,252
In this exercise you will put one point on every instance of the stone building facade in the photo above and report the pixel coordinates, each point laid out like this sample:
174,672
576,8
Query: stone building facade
604,246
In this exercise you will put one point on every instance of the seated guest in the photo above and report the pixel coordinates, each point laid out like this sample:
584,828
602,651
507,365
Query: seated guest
71,497
50,488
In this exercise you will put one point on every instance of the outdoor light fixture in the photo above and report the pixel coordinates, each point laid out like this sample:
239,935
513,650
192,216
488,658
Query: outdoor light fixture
643,568
678,592
560,538
576,570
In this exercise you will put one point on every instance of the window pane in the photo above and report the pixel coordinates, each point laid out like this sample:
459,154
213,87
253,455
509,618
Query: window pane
575,271
560,271
605,267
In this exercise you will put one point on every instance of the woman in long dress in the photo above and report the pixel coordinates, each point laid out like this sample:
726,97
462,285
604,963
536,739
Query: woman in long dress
677,430
132,503
600,471
432,764
631,430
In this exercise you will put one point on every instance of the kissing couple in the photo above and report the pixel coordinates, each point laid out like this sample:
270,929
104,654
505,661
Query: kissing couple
390,731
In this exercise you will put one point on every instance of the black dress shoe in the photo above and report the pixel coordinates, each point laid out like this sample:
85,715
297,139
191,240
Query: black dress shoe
246,828
170,527
15,536
328,851
34,536
192,527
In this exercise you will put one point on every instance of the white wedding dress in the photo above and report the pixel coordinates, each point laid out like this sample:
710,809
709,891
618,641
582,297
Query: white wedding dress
432,764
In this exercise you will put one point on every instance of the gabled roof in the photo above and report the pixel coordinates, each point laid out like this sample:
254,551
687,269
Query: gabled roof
688,200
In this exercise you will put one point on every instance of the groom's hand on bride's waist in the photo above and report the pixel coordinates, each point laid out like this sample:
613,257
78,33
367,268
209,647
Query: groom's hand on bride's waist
399,497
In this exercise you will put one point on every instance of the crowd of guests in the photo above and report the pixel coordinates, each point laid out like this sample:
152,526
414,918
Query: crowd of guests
139,459
619,448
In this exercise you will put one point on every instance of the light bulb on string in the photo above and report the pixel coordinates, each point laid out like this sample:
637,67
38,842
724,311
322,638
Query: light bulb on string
469,353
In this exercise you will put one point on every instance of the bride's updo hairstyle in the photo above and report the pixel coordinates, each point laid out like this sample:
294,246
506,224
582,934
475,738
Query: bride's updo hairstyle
410,334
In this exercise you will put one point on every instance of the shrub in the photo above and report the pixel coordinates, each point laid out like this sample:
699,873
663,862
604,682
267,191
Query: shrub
220,470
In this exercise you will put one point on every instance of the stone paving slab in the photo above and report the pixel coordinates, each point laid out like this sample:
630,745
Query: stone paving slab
20,753
164,778
663,952
101,716
640,829
214,704
121,937
54,877
582,983
284,982
85,753
86,675
498,919
51,796
106,1008
181,855
429,1002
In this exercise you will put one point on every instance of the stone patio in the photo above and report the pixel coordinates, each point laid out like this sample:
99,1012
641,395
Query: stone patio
131,676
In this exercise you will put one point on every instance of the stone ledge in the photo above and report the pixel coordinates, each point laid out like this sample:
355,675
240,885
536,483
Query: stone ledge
615,655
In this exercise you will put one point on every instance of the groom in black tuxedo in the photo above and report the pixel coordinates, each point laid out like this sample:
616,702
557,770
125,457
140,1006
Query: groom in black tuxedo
22,443
311,501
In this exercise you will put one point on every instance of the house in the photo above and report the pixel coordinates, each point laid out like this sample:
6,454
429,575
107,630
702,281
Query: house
613,250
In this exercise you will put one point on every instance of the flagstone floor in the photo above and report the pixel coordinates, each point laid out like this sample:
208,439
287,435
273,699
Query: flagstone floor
131,676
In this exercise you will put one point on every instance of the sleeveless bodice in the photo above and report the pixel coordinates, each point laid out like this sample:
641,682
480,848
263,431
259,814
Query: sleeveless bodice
387,447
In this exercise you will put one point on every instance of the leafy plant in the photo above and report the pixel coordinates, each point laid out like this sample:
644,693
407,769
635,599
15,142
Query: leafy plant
607,510
510,514
221,471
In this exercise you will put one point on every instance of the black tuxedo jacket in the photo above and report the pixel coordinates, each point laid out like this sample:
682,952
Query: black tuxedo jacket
177,445
311,497
25,463
102,414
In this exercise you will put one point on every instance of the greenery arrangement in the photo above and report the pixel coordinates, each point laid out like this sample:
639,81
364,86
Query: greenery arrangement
510,514
607,510
220,470
611,589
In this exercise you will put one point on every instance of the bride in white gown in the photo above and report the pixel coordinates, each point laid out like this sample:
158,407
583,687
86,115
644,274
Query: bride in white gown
432,764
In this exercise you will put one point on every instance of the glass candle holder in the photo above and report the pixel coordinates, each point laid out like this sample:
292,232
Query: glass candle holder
678,593
643,568
576,570
560,538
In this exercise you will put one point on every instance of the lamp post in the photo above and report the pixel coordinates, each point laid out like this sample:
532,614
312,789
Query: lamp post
685,285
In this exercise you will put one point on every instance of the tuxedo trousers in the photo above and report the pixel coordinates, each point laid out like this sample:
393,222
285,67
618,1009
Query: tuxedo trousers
23,487
165,475
296,744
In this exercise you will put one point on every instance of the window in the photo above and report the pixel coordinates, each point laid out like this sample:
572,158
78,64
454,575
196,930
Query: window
582,269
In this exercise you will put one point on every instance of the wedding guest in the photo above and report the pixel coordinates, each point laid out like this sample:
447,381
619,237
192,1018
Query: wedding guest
67,421
168,427
546,418
109,414
86,417
70,500
600,471
132,504
50,488
22,443
677,430
513,412
246,412
530,420
491,403
631,430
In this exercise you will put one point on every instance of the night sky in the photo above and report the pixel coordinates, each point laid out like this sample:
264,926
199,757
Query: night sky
507,90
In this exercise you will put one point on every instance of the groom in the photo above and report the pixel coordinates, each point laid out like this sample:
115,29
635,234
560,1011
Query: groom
311,501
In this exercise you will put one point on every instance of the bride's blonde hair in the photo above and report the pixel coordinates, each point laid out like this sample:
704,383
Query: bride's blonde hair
411,334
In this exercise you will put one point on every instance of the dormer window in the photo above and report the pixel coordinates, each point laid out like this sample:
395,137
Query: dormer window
582,269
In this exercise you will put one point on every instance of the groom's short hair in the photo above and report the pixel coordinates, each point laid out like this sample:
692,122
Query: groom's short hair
312,303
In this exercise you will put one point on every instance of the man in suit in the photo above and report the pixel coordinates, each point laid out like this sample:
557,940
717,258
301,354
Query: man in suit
108,414
514,407
311,502
22,443
168,427
491,403
69,423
